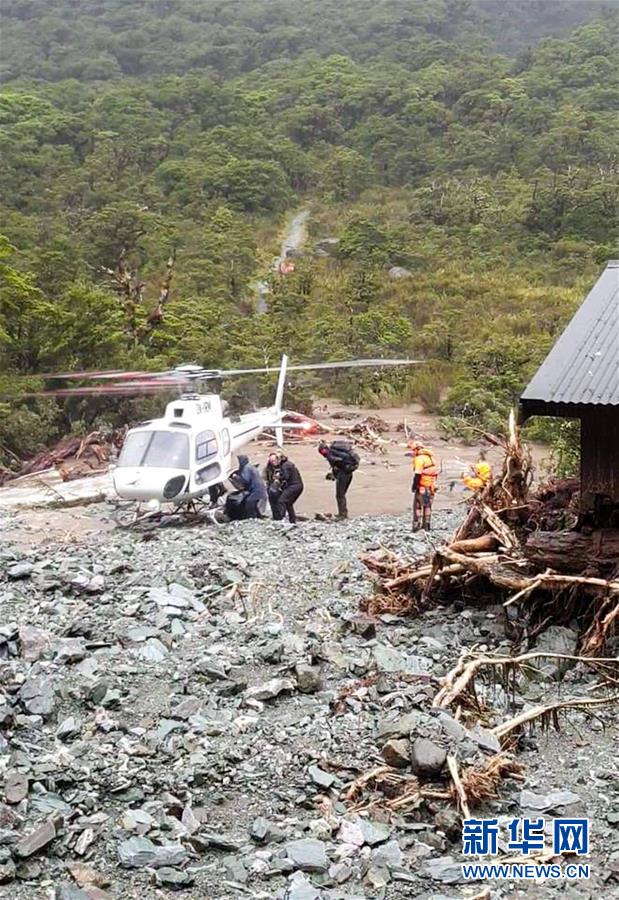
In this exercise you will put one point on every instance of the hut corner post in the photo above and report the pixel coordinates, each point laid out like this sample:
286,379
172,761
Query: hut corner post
599,464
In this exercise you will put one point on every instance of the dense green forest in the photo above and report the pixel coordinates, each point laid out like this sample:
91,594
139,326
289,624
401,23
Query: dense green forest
475,150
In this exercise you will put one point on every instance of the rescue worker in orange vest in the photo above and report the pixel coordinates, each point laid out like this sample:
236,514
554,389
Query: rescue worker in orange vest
482,474
425,474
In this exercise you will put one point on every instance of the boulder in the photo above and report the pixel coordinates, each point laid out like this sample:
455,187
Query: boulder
427,758
308,855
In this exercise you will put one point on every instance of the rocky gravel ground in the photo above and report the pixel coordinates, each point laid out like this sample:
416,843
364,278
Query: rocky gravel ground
185,709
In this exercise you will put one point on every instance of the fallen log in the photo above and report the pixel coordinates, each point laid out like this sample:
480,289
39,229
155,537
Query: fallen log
475,545
572,551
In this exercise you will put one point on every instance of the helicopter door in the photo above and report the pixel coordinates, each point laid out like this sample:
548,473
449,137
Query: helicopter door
208,468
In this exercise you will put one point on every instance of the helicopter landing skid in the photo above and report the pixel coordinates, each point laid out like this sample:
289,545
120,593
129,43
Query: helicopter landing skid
189,512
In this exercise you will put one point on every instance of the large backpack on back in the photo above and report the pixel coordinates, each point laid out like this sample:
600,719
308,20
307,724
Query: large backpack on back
347,458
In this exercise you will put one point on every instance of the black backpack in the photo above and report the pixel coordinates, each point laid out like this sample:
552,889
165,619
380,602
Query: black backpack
235,505
346,458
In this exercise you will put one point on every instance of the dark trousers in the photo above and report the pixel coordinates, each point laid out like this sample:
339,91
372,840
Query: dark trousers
422,509
286,501
274,504
342,483
252,505
215,492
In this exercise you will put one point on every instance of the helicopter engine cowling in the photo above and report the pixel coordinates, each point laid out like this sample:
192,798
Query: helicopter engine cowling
143,484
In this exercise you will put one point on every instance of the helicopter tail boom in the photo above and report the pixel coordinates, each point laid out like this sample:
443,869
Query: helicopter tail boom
279,399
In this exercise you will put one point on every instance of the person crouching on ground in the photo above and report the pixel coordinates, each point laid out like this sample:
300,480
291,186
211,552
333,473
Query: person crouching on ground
344,462
425,475
251,480
481,474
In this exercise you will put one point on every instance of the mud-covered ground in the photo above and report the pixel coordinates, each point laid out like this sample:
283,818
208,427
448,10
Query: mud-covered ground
181,707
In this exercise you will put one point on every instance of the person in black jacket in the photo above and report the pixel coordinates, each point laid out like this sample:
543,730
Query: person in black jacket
344,462
285,486
273,483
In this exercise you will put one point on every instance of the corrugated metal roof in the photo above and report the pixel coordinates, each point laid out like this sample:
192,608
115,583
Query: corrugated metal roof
583,366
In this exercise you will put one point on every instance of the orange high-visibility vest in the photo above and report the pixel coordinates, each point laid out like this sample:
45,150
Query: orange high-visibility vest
425,466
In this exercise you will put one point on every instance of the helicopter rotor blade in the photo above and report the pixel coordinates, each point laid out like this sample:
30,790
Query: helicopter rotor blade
123,381
306,367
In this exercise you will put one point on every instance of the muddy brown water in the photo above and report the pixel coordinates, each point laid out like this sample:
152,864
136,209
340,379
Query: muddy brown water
381,485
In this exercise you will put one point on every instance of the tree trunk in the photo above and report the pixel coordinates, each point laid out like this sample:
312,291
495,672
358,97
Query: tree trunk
571,551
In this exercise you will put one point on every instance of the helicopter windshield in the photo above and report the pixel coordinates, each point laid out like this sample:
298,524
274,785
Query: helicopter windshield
155,449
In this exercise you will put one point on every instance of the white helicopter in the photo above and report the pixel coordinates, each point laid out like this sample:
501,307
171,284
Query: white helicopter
176,459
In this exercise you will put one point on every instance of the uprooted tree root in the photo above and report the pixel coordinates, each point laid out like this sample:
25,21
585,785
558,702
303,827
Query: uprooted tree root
541,578
500,553
398,792
395,791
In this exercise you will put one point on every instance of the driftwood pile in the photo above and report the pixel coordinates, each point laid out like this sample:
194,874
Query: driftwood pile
500,550
367,434
506,547
73,457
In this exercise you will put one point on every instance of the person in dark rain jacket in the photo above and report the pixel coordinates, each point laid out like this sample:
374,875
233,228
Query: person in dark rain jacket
344,462
251,480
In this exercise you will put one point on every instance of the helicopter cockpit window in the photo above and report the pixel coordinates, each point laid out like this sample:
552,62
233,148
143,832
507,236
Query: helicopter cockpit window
155,449
206,445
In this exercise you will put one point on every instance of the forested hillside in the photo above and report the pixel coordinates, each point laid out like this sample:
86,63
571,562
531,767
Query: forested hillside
156,126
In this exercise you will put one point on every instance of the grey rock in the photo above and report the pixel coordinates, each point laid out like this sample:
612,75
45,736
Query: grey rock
375,833
308,855
20,570
548,802
320,777
299,888
69,729
444,869
397,753
40,837
387,855
209,670
351,832
309,679
7,870
68,891
141,633
484,738
187,708
15,787
49,804
262,831
137,820
400,727
173,879
153,650
37,696
235,869
427,758
556,639
34,642
387,659
218,841
69,650
104,695
269,690
138,852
